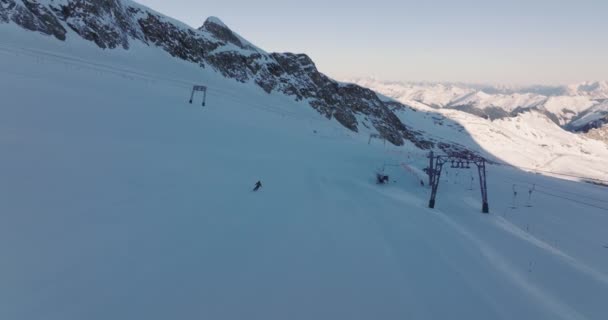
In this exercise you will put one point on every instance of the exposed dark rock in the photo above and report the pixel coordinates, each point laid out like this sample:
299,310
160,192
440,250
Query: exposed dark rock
32,16
234,65
223,33
553,117
184,44
595,124
106,22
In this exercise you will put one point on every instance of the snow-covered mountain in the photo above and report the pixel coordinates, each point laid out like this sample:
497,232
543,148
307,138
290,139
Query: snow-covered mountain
597,90
121,25
529,140
118,24
119,199
577,107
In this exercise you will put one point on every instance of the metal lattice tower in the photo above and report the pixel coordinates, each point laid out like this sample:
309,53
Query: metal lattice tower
457,162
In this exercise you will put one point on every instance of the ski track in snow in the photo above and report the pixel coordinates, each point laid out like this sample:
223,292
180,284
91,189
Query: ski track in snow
518,232
561,310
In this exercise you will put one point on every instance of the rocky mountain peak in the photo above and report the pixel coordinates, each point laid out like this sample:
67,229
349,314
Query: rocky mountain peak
214,20
222,32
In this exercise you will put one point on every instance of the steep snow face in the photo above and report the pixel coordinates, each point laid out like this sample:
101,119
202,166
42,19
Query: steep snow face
113,24
120,200
563,105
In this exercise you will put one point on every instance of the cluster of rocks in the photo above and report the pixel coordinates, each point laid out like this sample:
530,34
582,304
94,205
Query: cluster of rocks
32,16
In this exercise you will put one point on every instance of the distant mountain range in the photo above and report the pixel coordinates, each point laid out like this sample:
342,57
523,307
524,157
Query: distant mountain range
578,108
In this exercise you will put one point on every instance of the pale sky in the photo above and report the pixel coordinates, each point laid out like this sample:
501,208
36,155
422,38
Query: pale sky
508,42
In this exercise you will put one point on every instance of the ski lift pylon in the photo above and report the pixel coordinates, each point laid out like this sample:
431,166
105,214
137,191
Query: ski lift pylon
197,88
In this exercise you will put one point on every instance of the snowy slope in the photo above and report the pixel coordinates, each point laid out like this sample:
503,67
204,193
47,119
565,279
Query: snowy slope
529,140
568,107
119,200
508,103
435,95
117,24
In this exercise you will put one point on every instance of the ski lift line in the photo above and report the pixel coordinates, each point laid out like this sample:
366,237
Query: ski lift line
253,105
185,84
273,107
556,190
552,172
566,192
112,69
93,65
38,53
569,199
268,108
573,194
179,83
572,200
217,93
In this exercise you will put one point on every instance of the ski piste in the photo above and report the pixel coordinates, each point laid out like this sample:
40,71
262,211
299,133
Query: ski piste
120,200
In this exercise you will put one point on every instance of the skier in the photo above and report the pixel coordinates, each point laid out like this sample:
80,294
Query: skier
381,179
258,185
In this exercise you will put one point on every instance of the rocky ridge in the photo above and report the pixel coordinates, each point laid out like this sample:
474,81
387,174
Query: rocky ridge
112,24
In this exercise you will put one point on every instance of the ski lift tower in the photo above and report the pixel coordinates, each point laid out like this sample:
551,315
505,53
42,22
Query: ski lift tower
457,162
202,89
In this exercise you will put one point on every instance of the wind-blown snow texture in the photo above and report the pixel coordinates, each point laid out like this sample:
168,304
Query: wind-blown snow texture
119,200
